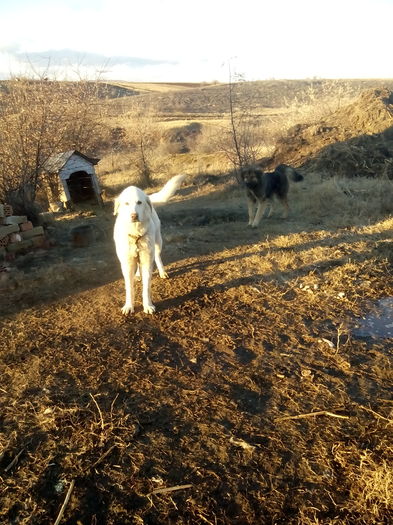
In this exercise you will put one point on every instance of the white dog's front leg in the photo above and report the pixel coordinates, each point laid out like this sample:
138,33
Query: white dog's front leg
128,269
148,306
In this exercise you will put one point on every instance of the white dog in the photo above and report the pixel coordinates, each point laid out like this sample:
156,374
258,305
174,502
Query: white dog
138,240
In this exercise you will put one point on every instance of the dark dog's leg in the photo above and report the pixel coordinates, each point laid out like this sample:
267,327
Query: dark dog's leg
269,207
251,204
284,202
251,210
262,205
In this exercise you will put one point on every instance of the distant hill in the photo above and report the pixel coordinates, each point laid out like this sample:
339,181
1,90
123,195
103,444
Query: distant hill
193,99
183,98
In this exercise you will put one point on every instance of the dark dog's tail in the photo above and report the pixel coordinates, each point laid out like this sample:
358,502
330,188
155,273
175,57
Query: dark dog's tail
290,172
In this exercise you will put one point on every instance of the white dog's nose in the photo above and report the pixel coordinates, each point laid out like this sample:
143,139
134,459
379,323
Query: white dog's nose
134,217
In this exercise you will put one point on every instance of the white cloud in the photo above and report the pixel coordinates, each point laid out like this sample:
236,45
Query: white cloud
277,38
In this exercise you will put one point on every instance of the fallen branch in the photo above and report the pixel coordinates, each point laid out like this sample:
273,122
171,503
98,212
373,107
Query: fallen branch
376,414
169,489
99,411
65,503
15,460
311,414
101,458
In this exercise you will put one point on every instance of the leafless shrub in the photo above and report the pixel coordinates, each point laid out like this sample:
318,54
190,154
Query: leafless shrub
40,117
242,138
144,136
313,103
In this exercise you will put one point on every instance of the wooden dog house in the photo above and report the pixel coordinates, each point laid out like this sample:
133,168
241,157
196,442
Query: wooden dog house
70,178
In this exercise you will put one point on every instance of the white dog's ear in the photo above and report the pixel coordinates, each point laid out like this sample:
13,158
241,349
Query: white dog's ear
148,201
116,206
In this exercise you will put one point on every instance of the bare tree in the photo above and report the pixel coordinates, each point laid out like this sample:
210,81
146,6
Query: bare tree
243,138
145,136
40,117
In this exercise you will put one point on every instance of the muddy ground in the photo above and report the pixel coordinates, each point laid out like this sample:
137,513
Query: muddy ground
246,399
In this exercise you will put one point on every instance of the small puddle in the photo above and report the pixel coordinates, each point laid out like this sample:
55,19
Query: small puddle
378,323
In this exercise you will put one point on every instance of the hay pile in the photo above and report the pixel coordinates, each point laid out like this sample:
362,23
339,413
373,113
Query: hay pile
356,140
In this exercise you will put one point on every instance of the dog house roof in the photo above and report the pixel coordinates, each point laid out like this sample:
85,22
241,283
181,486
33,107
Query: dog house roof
56,162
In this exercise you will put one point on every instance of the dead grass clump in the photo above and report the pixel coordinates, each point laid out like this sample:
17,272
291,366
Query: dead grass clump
347,202
314,104
369,480
353,158
370,114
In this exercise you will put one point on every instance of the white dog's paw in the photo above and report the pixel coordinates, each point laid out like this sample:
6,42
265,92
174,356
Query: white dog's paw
164,275
149,309
127,309
253,225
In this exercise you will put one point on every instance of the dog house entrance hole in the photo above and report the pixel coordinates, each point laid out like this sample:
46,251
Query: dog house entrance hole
80,185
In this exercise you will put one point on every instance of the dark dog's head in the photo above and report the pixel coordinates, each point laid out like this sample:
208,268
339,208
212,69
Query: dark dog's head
250,175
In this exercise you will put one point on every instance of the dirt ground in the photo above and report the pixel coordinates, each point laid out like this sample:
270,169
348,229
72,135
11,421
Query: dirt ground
246,399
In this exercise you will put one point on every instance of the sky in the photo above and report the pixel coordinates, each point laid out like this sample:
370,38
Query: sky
196,41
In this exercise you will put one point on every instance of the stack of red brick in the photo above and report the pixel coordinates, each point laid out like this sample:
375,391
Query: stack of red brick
17,234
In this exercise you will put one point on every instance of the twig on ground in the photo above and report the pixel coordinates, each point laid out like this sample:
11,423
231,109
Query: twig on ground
99,411
169,489
376,414
14,461
311,414
204,519
101,458
65,503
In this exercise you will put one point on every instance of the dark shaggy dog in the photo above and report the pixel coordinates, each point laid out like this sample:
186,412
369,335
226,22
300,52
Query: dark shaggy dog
262,187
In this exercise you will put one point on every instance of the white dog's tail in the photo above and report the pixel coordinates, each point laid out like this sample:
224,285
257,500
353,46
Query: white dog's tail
168,190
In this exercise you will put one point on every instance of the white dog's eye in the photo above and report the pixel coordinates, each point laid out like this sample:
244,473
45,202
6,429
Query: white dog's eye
139,202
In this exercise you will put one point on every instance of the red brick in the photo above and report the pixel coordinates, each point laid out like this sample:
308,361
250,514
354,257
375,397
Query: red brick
39,241
33,232
5,240
22,246
15,219
15,237
25,226
7,210
6,230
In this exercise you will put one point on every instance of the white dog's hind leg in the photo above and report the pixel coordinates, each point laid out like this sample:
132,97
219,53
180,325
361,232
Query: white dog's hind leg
157,256
128,269
160,266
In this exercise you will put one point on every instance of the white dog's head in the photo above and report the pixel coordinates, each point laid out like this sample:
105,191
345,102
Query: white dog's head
133,205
